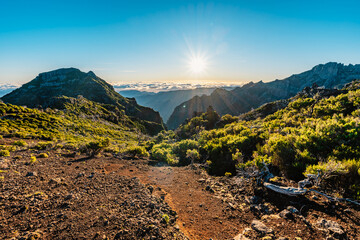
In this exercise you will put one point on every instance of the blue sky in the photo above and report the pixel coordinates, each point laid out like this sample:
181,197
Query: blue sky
134,41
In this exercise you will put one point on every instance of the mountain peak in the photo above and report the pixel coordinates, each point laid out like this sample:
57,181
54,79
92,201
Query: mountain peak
57,72
333,67
72,82
91,74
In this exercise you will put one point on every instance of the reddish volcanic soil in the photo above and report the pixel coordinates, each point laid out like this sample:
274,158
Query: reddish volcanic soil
68,196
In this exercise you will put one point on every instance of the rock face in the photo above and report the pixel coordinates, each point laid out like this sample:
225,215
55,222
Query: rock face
71,82
253,95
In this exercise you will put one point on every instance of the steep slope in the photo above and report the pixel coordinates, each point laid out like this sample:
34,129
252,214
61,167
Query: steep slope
252,95
71,82
165,102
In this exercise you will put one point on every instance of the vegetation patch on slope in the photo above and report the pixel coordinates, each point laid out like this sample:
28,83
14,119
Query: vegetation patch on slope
80,123
316,134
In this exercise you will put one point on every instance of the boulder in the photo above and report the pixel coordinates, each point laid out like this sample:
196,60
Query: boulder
260,227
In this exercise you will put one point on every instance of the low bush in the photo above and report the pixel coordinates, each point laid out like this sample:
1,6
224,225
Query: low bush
43,146
20,143
96,147
180,150
43,155
193,155
341,176
163,152
4,153
136,151
33,159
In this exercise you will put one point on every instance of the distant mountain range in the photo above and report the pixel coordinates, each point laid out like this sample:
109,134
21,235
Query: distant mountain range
252,95
165,102
45,89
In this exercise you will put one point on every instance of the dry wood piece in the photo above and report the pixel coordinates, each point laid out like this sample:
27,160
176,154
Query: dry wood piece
290,191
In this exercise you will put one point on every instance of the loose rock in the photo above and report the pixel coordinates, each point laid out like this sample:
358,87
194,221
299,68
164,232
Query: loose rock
260,227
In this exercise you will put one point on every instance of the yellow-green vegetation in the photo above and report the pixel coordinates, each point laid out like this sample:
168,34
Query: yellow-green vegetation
174,152
163,152
136,151
4,153
165,218
9,148
43,145
33,159
193,155
43,155
93,148
20,143
310,135
80,122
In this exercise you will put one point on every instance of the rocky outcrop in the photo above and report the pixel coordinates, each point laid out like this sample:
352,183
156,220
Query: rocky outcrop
252,95
71,82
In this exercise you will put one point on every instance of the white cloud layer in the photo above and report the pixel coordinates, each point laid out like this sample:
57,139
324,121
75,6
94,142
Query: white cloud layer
171,86
145,86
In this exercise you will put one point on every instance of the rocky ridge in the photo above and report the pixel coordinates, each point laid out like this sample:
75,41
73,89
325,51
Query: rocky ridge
252,95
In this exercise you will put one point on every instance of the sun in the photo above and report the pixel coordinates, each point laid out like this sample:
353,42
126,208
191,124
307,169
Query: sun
197,64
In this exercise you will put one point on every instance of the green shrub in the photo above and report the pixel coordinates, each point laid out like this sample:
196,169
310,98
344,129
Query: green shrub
137,151
220,158
257,161
43,145
165,218
10,148
20,143
301,103
341,176
33,159
163,152
283,154
238,156
43,155
226,119
193,155
4,153
96,147
180,150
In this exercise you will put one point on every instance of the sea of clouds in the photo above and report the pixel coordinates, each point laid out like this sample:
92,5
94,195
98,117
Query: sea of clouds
171,86
6,88
145,86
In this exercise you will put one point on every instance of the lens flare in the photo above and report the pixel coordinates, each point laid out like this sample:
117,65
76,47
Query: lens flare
197,64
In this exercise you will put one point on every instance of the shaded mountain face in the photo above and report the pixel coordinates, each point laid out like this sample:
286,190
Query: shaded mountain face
253,95
165,102
71,82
